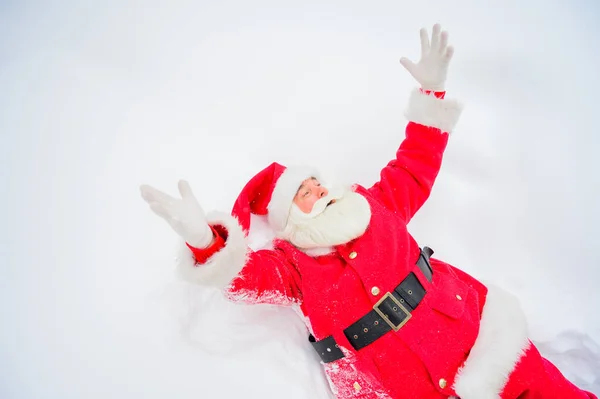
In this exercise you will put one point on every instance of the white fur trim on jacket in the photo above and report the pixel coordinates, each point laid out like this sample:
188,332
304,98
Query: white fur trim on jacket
284,192
426,109
224,265
501,342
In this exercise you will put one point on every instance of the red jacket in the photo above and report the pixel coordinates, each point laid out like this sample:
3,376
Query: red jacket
462,340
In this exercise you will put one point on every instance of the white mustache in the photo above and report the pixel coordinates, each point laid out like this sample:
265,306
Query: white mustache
319,207
330,225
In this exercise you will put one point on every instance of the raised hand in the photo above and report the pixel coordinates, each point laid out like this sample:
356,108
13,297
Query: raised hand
432,68
184,215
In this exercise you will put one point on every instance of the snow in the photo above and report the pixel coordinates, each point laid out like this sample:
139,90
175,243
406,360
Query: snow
98,98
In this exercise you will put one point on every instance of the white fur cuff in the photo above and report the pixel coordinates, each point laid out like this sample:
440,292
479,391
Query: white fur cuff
224,265
426,109
501,342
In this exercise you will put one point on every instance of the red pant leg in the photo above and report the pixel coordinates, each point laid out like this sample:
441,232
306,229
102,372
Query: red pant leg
535,377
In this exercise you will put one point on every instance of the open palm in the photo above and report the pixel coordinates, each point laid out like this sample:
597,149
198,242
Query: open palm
184,215
432,68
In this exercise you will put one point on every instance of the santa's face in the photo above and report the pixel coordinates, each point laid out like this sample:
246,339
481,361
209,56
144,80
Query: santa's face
322,217
308,194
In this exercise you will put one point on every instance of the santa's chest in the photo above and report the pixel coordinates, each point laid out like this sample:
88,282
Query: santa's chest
340,287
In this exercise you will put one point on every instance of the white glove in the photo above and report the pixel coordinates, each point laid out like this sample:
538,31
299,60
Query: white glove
184,215
432,68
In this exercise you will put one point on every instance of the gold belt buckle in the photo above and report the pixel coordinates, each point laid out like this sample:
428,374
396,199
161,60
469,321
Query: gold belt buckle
385,318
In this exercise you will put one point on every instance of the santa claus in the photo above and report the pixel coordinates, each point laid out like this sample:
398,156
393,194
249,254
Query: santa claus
387,320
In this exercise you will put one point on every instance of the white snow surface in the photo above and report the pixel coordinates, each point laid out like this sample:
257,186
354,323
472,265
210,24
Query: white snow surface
97,98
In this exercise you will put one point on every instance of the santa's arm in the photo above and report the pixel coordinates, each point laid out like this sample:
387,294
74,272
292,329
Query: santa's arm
263,276
406,182
214,251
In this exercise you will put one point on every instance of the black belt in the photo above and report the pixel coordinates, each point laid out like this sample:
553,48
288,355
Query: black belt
391,312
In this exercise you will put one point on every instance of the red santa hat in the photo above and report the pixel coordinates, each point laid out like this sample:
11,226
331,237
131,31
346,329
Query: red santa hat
271,193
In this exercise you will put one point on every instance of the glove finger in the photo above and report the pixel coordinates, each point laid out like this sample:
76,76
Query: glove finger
160,210
443,42
424,41
188,195
150,194
185,190
171,219
448,55
409,65
435,37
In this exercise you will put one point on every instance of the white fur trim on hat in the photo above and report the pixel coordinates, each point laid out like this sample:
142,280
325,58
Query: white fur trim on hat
284,192
428,110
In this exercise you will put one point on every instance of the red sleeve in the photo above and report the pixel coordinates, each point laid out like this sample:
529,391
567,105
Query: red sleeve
203,254
269,278
406,182
438,94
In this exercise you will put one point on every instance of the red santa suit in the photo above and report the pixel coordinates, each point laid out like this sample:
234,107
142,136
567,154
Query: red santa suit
462,339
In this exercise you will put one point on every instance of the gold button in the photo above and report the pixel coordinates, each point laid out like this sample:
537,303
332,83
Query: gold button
375,291
442,383
459,297
352,255
356,386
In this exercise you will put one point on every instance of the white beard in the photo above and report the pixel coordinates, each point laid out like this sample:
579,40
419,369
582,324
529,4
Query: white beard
327,226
